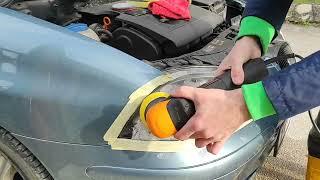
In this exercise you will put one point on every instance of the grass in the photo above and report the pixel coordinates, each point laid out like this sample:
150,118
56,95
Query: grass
307,1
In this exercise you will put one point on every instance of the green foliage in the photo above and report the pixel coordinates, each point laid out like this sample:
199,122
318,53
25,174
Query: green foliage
307,1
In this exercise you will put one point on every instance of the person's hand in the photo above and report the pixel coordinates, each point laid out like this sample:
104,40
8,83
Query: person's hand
245,49
218,114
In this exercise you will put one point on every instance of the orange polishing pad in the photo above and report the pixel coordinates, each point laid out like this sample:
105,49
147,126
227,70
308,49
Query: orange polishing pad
159,120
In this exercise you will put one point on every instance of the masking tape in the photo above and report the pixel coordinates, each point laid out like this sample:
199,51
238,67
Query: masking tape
152,146
135,100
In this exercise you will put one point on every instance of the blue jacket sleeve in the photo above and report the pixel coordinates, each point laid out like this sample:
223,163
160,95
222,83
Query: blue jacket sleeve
272,11
295,89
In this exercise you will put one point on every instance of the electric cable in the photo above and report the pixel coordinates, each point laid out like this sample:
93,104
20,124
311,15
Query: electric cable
313,122
282,58
298,56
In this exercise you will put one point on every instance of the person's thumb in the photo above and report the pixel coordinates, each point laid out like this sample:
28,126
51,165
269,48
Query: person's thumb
237,74
184,92
216,147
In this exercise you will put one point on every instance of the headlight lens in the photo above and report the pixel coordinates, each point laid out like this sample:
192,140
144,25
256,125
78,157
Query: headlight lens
188,76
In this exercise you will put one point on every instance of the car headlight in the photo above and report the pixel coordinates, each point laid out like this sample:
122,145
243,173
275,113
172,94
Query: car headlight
188,76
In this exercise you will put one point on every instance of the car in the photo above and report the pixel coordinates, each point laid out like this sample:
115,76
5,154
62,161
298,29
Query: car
69,69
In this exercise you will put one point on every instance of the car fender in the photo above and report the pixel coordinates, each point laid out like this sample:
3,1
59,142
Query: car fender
61,86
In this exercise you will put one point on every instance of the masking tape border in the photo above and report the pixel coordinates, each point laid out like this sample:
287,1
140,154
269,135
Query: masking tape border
135,100
152,146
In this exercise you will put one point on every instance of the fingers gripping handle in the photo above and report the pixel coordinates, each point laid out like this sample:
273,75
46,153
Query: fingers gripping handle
254,70
181,110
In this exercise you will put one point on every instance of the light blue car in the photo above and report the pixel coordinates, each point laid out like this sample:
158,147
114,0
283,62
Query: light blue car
67,69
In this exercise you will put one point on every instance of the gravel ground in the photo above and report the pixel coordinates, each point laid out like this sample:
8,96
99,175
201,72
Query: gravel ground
292,159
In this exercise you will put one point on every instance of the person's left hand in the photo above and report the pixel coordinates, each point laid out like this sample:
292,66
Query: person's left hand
218,114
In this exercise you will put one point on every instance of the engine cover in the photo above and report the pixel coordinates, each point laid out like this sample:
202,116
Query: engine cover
135,43
179,32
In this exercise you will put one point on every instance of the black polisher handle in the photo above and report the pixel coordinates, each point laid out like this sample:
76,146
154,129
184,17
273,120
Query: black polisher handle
181,110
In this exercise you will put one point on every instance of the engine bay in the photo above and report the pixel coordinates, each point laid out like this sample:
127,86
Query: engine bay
136,31
148,37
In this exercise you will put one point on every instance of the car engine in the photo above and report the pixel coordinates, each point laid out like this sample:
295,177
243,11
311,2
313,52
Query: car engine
136,31
146,36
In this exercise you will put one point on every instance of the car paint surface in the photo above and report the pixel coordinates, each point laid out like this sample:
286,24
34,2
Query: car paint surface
60,86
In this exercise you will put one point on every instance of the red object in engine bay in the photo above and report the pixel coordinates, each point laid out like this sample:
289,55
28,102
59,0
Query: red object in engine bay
106,23
171,9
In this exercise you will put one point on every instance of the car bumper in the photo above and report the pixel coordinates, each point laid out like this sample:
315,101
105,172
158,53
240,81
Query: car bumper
255,152
83,162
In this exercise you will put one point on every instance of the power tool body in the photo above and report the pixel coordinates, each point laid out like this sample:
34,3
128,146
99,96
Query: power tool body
165,115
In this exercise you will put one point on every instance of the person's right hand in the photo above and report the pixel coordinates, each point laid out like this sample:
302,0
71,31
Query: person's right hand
245,49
